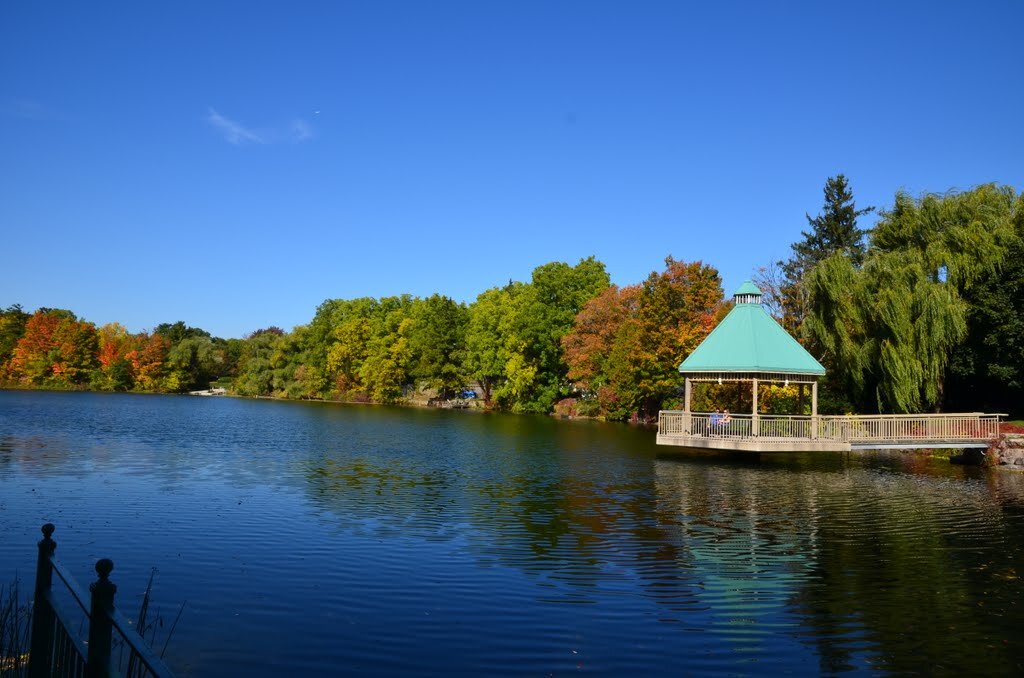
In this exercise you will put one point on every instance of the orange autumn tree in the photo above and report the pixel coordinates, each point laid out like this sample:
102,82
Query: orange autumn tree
626,345
148,361
589,345
56,351
117,348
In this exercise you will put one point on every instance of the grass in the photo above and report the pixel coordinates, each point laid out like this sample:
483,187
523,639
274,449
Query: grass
148,627
15,622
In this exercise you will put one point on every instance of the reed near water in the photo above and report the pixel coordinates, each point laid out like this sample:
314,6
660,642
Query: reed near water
15,621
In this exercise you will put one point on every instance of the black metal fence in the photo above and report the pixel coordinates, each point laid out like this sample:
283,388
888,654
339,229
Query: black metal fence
57,650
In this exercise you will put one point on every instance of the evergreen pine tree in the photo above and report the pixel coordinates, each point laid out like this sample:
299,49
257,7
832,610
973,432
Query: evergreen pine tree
833,231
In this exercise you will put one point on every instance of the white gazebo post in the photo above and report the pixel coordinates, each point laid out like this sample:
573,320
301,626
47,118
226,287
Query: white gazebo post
755,422
686,405
814,409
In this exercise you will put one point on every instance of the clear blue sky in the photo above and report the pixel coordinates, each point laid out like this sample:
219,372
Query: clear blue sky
234,164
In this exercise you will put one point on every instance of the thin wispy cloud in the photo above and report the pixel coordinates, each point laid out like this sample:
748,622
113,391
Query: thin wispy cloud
29,109
233,132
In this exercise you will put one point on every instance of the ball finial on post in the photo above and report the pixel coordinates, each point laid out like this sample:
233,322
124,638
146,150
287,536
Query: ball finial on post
46,545
104,567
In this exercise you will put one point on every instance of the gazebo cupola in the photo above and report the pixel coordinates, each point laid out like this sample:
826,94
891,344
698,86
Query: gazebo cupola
748,293
749,345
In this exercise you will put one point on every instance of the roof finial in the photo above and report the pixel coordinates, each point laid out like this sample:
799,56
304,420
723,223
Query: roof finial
748,293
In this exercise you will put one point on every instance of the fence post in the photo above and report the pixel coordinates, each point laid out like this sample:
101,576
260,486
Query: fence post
100,625
41,645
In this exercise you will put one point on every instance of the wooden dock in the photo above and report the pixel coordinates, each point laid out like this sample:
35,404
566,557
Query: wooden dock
774,433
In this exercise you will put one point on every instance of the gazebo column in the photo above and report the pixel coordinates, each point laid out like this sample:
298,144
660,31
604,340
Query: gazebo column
686,405
814,409
755,421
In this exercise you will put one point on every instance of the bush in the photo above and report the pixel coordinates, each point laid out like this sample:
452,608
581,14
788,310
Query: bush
566,407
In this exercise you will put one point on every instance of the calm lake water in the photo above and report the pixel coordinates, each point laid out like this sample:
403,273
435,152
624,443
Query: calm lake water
312,538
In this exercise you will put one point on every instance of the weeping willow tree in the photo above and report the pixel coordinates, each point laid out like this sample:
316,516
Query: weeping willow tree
890,327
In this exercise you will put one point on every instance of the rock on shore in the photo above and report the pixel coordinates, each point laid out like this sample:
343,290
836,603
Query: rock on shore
1007,452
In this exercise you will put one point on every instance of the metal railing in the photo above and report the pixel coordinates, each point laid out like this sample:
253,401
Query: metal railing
56,650
844,428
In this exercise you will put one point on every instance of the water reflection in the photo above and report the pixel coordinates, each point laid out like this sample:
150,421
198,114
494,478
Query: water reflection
882,569
556,538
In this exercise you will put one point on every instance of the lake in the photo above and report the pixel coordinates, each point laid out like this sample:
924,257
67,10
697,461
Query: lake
317,539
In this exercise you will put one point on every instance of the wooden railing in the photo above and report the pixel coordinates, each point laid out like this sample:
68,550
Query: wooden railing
672,422
56,650
845,428
910,427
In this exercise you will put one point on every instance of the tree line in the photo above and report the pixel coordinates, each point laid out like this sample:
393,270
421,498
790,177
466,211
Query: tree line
922,311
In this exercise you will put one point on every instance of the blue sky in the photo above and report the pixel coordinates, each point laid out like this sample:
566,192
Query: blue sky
234,164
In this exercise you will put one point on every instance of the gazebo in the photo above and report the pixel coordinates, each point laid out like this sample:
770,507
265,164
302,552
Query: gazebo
748,346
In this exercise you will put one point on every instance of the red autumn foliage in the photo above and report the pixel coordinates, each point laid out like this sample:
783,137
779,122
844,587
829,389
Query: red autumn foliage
57,349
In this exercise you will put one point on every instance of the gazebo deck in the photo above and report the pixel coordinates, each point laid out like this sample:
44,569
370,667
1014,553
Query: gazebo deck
773,433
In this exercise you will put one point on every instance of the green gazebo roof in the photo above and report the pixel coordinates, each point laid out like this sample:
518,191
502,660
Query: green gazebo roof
749,340
747,287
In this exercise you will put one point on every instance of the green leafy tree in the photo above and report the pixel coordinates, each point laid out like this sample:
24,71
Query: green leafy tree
385,371
192,364
958,237
437,339
255,363
888,329
348,343
177,332
486,350
987,370
316,342
542,313
195,359
12,328
293,375
364,346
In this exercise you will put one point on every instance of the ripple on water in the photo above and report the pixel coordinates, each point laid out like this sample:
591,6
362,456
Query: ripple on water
321,539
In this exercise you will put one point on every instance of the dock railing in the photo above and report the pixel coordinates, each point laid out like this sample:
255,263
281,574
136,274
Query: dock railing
911,427
57,650
973,426
704,424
